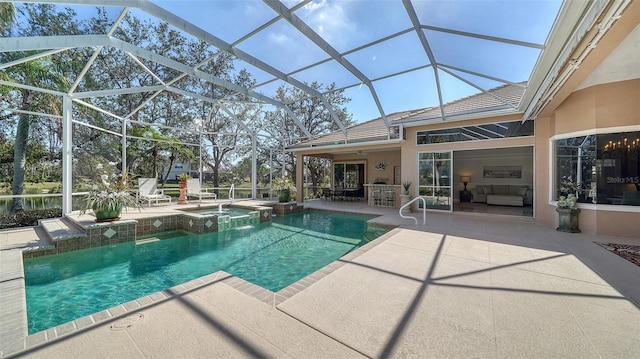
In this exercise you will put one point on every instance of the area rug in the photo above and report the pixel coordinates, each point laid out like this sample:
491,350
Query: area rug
626,251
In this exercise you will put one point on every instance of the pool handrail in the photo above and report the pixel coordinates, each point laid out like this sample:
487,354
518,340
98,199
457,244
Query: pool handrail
424,210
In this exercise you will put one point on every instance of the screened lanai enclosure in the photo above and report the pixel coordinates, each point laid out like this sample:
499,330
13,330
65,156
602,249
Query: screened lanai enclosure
221,89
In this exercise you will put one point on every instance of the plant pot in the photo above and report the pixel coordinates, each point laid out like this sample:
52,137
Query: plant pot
568,220
404,199
182,199
284,196
107,214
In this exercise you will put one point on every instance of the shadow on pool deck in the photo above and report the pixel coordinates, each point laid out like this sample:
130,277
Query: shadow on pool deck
464,285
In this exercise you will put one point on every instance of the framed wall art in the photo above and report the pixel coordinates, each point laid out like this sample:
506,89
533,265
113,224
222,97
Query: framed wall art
502,172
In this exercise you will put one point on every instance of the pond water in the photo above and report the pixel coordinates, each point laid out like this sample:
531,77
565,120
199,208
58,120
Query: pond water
31,203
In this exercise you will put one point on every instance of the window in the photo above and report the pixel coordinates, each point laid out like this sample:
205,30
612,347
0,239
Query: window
603,168
348,175
477,132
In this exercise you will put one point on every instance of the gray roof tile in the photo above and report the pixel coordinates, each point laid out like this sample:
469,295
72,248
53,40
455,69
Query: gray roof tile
375,129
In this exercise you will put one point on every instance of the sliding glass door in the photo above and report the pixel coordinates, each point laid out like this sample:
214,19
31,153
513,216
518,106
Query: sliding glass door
434,179
348,175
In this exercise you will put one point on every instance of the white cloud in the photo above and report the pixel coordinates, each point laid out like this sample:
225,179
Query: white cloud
279,37
331,20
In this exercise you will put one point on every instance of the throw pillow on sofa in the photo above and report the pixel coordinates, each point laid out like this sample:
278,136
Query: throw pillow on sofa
480,189
488,190
522,191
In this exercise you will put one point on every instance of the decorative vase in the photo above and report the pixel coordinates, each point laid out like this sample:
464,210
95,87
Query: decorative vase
568,220
107,214
284,196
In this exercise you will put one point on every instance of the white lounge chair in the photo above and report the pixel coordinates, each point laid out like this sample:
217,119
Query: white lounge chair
148,191
195,190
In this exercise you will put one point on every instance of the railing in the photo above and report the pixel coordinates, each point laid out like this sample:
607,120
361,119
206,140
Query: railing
424,210
232,192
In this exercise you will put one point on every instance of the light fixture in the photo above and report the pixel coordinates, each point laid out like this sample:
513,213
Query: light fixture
465,180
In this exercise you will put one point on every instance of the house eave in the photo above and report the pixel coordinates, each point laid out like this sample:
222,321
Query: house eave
343,146
458,118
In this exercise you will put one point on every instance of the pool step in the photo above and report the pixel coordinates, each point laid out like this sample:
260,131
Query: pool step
58,229
147,240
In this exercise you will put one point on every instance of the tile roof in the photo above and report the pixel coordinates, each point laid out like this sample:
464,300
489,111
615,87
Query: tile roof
499,98
502,97
372,130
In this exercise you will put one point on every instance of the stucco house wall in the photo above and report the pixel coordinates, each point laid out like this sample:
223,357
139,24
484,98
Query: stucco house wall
598,108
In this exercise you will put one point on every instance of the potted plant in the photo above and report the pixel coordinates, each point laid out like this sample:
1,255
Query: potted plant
568,186
568,214
406,185
182,179
283,186
107,198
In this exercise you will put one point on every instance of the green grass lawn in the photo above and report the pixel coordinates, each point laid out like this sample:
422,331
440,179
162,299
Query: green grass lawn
33,188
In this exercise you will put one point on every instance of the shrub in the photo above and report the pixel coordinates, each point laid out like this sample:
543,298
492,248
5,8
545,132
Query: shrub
28,218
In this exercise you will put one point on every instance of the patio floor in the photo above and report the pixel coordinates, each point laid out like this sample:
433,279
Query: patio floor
461,286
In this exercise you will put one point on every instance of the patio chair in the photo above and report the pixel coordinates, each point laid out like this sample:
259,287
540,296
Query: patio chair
327,194
148,191
195,190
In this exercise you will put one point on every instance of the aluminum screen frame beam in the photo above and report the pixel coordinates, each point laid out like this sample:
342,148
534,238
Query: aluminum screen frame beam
427,49
205,36
72,41
305,30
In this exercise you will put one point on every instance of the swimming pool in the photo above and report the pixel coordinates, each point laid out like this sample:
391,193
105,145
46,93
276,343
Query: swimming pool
273,255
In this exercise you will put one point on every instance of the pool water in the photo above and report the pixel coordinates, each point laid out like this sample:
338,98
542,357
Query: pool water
67,286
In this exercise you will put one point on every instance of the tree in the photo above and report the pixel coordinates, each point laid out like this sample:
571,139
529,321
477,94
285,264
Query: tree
311,112
7,17
226,125
42,72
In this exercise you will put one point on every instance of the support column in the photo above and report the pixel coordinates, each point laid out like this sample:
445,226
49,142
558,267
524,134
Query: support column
299,177
254,163
270,172
200,157
67,156
124,146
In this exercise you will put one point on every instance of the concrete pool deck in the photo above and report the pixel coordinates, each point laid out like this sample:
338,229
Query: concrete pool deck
462,286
